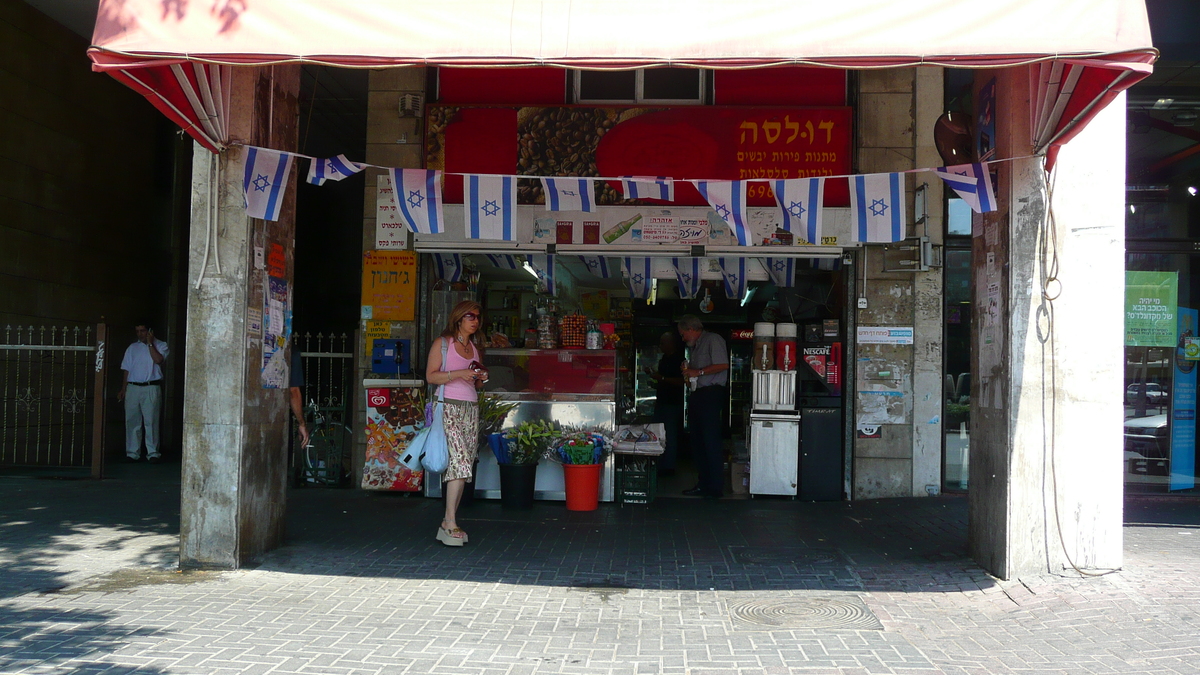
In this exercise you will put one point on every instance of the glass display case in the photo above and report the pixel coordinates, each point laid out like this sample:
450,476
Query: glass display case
571,387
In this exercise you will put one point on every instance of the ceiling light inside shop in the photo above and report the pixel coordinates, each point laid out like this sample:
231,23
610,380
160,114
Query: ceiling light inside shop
1132,208
1192,190
1163,103
653,299
529,268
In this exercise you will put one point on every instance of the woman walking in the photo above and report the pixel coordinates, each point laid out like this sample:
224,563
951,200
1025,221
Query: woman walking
460,375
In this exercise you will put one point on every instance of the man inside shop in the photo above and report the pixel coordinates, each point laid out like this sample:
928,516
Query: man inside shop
141,391
708,365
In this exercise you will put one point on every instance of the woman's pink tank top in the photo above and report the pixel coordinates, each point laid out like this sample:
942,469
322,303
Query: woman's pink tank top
460,390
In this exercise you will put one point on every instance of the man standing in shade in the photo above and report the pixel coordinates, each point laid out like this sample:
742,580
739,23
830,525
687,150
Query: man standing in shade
141,390
708,363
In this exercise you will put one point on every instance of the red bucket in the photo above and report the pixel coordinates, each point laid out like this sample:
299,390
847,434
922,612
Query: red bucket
583,486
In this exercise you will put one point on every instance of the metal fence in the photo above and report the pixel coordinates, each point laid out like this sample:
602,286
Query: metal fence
328,363
52,396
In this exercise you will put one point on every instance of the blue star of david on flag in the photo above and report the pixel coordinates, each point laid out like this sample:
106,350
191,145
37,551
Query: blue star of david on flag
422,208
490,207
569,194
973,183
597,265
876,208
640,273
687,273
331,168
449,266
265,180
800,201
544,266
782,271
734,272
728,200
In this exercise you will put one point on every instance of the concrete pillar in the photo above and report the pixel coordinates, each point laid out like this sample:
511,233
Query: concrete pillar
235,431
1046,415
898,387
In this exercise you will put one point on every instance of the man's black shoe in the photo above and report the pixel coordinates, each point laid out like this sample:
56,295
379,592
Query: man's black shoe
694,492
132,460
154,460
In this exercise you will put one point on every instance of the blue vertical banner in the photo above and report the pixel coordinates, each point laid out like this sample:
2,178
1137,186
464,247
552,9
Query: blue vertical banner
1183,405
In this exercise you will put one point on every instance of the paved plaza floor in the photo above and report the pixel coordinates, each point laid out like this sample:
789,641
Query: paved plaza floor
90,585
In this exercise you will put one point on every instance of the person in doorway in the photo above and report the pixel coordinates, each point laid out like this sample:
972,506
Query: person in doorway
668,399
460,377
707,363
296,393
141,391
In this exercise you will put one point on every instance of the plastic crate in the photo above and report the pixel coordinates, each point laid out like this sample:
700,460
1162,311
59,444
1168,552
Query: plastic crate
637,480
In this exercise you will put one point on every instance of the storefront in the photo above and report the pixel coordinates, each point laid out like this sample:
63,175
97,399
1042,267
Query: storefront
1038,87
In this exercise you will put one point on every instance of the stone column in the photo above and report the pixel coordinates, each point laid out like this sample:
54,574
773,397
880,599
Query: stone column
235,431
1047,358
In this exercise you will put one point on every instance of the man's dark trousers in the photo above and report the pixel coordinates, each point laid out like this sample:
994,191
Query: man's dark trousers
705,409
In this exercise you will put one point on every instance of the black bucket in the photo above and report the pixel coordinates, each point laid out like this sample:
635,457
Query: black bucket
516,485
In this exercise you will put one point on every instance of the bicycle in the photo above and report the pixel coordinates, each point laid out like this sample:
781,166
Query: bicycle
322,460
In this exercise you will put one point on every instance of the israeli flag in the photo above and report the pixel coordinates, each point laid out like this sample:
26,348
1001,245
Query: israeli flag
597,265
639,273
331,168
449,266
419,196
734,271
876,205
782,271
728,199
569,194
544,266
504,262
972,182
827,264
801,201
648,187
490,207
687,272
265,181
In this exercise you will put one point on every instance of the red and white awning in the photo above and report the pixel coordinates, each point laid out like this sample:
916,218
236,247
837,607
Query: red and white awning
1084,51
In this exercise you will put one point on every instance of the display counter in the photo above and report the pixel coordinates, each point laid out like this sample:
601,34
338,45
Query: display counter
570,387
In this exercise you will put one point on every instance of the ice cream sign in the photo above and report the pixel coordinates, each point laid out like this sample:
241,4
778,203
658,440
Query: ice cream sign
885,335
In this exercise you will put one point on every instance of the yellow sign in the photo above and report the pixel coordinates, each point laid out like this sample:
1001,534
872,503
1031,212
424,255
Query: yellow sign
389,285
377,329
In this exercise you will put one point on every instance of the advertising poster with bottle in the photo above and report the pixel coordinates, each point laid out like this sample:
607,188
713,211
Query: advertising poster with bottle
1183,406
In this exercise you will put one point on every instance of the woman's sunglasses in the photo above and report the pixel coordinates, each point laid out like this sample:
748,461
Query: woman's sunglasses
471,315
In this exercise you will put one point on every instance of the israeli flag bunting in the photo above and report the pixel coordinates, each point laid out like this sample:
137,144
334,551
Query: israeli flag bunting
419,196
827,264
597,265
801,200
449,266
490,207
569,194
782,271
687,271
544,266
728,199
265,181
648,187
639,273
504,262
876,208
331,168
734,271
972,182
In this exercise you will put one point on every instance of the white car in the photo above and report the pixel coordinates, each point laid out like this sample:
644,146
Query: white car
1148,445
1155,394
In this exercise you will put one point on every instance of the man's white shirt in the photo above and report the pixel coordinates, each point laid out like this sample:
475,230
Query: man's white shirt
140,365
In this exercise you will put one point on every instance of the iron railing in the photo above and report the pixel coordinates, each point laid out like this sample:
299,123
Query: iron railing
328,363
52,396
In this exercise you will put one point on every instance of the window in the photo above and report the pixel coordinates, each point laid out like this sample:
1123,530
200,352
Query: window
675,86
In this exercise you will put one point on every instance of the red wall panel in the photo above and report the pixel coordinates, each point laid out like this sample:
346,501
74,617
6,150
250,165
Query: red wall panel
780,86
508,86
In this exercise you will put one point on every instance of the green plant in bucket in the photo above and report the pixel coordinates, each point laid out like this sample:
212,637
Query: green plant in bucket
492,413
533,438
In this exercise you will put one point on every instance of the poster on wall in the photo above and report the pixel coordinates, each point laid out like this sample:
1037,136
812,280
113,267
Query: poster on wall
394,416
389,285
1183,406
276,329
391,232
1151,303
885,335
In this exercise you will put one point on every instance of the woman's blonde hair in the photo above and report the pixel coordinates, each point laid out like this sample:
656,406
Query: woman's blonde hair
456,317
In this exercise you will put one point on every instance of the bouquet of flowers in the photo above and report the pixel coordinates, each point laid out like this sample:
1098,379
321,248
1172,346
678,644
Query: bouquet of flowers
580,446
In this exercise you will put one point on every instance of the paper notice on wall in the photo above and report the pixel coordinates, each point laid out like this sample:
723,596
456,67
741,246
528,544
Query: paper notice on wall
390,230
276,331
